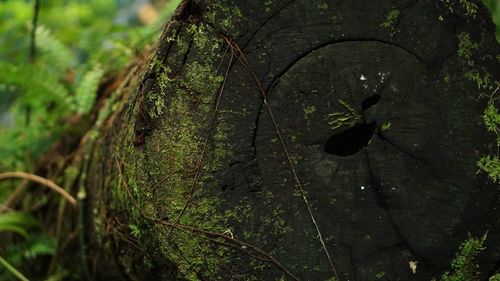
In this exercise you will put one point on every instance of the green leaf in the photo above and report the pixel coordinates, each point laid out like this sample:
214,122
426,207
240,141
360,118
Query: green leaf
16,222
36,84
13,228
42,244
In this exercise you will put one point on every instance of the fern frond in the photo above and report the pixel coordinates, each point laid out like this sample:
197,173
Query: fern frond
35,81
54,52
16,222
87,90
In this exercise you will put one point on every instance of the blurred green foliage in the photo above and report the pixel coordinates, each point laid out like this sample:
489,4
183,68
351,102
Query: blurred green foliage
494,6
77,43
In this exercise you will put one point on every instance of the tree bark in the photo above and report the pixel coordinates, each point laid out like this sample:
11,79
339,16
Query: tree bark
297,139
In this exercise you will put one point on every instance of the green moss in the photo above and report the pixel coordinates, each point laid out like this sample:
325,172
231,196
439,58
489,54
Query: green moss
224,15
276,224
466,47
495,277
491,165
268,4
166,166
200,78
348,117
390,20
385,126
202,40
308,111
467,6
464,266
157,100
222,149
323,6
268,223
135,231
242,212
482,81
491,117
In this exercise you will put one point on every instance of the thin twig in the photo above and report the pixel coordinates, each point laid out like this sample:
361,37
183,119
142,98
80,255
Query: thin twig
14,196
248,248
43,181
242,59
58,230
211,236
125,183
36,11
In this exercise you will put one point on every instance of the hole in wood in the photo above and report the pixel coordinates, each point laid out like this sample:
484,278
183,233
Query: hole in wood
354,139
350,141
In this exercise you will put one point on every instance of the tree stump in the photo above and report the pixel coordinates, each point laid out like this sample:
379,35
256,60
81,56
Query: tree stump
284,140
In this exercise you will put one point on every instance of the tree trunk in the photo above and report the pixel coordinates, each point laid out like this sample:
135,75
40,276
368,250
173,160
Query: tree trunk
297,139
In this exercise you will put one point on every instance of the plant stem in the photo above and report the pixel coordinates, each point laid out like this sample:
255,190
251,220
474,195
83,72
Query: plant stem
12,270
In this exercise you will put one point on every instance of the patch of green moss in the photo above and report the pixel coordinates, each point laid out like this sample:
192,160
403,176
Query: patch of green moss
390,20
224,15
268,224
202,40
347,117
464,266
323,6
385,126
491,117
495,277
466,47
308,111
268,4
200,78
491,163
175,170
482,80
467,6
